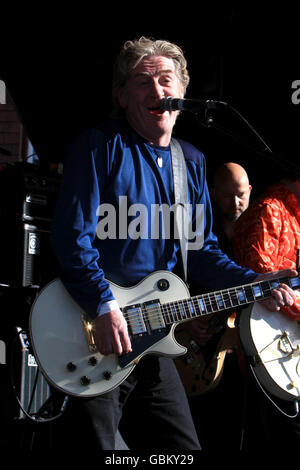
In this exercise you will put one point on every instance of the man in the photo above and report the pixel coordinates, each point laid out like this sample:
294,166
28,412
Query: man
267,237
231,193
131,158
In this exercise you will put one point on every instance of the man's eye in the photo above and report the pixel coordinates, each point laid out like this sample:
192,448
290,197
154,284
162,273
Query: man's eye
142,82
166,80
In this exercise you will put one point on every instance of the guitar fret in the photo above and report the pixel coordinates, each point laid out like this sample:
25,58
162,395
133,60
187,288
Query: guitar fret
241,295
167,313
227,300
273,284
201,305
174,313
222,300
250,293
180,312
293,282
192,308
214,302
234,298
257,291
208,305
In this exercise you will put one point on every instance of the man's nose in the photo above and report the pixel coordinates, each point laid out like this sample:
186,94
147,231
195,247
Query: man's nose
237,201
157,89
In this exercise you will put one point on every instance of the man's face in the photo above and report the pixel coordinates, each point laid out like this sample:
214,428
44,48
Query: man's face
153,79
232,198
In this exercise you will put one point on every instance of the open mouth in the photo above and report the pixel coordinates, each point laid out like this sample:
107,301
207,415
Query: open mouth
157,111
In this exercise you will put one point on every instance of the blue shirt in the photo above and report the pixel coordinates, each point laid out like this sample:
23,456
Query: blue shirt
111,182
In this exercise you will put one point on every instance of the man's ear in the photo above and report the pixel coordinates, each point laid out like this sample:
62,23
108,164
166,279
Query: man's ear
122,98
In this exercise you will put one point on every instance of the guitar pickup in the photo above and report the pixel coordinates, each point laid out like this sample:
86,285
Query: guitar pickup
154,315
135,319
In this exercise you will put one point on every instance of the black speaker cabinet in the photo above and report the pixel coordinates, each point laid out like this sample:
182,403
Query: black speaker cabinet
27,203
38,261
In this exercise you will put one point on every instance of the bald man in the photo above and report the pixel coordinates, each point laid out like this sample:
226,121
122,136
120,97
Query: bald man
231,194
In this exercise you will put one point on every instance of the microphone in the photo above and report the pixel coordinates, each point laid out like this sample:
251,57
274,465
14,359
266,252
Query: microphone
194,106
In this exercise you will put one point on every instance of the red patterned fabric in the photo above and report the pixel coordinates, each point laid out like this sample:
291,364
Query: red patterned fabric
267,235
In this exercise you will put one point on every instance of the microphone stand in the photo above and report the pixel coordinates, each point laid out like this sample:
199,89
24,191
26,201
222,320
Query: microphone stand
265,152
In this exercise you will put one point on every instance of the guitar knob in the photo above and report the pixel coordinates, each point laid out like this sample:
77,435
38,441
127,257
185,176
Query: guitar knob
85,380
71,366
163,284
92,361
107,375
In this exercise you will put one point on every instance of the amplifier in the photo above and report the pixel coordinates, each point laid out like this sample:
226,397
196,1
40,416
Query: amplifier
27,204
38,207
25,190
38,260
31,387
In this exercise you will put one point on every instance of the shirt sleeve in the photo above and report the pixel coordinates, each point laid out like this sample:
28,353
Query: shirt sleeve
74,226
257,238
258,243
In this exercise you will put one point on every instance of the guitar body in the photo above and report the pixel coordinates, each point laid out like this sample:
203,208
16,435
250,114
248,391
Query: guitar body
68,360
271,340
201,367
64,348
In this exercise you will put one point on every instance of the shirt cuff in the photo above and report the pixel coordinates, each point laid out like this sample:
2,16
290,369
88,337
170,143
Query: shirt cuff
107,307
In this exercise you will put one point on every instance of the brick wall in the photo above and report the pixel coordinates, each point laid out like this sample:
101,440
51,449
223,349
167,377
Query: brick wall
13,139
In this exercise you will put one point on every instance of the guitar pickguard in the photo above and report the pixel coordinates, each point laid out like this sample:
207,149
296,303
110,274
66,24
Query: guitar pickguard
140,344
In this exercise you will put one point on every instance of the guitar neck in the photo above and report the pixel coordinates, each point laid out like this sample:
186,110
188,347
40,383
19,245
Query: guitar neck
213,302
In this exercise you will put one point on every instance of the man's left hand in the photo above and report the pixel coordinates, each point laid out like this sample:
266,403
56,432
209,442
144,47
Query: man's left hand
282,296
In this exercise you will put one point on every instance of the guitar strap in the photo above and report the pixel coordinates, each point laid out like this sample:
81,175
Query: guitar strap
181,199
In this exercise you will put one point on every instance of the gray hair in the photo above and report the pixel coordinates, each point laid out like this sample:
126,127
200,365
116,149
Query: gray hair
133,52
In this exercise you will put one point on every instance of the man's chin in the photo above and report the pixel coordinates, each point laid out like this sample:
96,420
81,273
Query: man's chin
233,217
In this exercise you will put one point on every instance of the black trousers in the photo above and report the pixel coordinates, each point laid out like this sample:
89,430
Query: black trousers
150,408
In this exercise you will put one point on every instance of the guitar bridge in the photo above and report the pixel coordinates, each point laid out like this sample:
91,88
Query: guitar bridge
282,347
286,345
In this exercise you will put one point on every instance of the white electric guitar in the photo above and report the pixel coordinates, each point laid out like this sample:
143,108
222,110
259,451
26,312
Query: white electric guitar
63,344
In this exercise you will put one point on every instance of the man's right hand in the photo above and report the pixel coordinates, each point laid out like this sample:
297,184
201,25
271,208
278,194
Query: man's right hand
111,333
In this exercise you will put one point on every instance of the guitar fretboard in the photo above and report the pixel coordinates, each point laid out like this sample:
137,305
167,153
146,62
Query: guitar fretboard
213,302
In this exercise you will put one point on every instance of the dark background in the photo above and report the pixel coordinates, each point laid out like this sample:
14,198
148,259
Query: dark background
58,71
57,61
